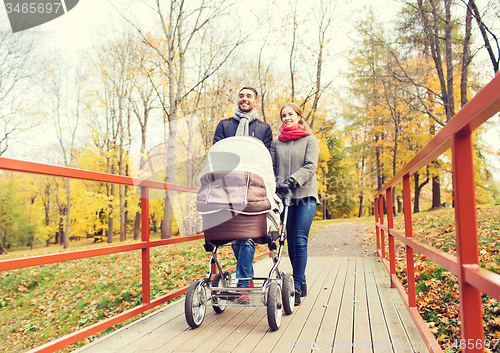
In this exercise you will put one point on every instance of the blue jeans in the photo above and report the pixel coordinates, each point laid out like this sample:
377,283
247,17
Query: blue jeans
300,216
244,251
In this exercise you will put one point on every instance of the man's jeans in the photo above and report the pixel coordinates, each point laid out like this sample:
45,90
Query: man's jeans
300,216
244,251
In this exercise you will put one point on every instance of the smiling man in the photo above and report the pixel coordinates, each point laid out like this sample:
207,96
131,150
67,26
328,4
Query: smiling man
245,120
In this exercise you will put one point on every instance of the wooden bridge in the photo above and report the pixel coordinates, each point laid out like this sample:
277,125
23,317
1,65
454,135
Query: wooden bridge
350,307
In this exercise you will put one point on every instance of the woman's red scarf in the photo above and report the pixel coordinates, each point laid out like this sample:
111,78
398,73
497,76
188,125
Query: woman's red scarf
292,133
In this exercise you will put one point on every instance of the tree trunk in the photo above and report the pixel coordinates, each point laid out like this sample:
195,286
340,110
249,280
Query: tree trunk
416,197
436,192
466,57
324,196
394,157
450,107
121,196
400,203
137,225
68,218
418,188
126,201
166,222
291,62
168,210
2,249
477,15
190,180
123,220
384,203
379,166
47,219
61,228
360,211
109,233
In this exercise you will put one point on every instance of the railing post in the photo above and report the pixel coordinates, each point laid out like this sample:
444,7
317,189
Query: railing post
377,230
471,313
390,225
410,258
381,214
146,277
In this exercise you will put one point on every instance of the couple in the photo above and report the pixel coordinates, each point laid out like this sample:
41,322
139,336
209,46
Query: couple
295,157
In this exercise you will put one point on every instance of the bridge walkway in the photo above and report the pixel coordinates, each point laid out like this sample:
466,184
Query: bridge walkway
350,307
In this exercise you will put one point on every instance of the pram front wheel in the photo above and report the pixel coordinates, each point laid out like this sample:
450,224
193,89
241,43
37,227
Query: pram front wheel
220,280
274,306
195,305
288,293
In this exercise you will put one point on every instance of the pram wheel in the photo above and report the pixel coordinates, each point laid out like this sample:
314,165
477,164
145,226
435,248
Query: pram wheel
274,306
195,306
221,280
288,293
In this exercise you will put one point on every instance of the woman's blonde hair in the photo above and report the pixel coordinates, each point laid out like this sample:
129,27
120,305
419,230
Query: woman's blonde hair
297,110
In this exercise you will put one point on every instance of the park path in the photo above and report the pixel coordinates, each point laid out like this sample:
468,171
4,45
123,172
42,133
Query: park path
341,239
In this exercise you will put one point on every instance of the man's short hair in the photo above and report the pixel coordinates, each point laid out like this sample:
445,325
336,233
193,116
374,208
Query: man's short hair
251,89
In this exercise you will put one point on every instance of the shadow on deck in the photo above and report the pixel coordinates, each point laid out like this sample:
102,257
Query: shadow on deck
350,307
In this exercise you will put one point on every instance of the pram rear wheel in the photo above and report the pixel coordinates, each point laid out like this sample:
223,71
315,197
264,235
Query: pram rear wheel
220,280
274,306
195,305
288,293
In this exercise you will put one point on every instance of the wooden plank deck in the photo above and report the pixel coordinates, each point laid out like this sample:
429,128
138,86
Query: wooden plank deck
350,307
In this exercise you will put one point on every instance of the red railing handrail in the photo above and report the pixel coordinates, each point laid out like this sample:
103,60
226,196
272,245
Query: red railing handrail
74,173
144,245
472,279
13,264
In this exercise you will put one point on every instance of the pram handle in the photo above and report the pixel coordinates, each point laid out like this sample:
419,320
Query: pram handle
286,198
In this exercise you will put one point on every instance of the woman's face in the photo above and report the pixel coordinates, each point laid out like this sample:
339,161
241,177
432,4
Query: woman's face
289,117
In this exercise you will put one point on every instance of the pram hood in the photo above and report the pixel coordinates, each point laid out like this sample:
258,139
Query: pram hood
241,153
238,157
237,189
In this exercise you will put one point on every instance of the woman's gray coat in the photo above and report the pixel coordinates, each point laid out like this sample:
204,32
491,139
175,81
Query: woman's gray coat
298,159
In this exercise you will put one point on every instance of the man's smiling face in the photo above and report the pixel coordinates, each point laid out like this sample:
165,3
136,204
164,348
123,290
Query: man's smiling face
247,100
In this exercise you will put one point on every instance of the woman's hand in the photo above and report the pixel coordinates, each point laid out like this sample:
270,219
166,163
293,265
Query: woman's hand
289,184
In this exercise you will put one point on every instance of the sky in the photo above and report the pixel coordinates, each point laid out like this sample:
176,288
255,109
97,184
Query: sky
77,29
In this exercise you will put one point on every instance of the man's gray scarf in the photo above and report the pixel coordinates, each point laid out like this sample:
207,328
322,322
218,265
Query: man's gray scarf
244,120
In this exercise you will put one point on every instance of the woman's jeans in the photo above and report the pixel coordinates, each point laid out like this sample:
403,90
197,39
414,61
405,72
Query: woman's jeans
244,251
300,216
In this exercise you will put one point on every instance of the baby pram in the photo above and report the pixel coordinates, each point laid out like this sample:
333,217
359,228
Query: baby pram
237,200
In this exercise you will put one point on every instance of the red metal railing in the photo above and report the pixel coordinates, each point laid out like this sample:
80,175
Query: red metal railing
472,279
144,245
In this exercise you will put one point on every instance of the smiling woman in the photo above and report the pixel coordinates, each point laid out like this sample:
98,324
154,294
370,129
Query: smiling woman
295,159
